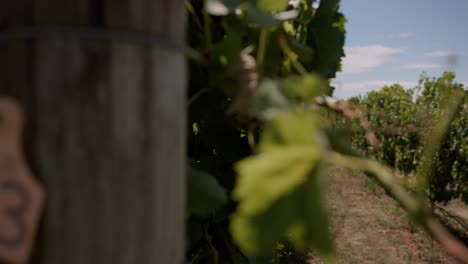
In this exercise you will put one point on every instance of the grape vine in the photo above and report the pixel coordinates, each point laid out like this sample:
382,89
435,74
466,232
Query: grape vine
260,139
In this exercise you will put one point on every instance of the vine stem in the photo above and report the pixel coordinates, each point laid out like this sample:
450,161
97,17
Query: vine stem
191,9
197,95
382,174
262,42
422,214
292,56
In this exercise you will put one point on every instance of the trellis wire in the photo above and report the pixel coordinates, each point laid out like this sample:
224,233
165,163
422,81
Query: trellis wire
54,31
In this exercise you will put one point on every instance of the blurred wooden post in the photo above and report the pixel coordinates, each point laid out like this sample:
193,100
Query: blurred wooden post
105,131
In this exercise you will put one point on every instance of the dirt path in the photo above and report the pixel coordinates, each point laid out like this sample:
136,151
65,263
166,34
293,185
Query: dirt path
369,227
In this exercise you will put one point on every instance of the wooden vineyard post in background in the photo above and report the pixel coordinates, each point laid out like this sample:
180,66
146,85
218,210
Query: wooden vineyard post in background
105,129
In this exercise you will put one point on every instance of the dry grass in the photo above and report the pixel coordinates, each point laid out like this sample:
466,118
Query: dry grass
369,227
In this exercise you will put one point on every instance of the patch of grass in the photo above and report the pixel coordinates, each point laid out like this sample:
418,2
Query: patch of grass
370,227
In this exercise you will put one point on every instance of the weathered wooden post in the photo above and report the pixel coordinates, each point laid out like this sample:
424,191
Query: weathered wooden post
105,129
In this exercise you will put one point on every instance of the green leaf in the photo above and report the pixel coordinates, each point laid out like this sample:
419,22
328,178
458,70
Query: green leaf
272,5
204,194
312,229
261,18
326,35
258,234
305,53
273,97
235,26
291,129
268,176
227,50
304,88
299,216
268,100
281,190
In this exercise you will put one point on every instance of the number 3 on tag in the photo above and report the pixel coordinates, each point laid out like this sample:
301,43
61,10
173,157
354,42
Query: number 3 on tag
21,196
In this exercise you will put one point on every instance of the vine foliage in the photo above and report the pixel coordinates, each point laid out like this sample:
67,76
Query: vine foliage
260,140
403,119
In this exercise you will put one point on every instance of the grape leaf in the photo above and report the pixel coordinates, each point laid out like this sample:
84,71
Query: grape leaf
290,129
267,176
272,5
262,18
304,88
305,53
257,234
273,97
275,185
326,35
299,216
227,49
204,194
312,227
268,99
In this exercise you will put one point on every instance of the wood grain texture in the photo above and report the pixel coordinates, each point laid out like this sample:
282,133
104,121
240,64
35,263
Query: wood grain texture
108,123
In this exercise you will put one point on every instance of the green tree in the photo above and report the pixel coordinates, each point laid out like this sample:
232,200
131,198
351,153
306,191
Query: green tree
402,120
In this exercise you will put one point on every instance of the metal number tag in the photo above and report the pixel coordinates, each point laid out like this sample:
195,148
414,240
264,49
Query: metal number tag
21,196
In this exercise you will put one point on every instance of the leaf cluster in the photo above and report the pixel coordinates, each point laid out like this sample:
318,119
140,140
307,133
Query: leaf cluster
254,128
402,119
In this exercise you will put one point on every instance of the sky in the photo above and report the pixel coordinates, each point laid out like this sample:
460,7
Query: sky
396,41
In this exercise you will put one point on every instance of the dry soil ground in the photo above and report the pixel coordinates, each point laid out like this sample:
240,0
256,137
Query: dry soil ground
369,227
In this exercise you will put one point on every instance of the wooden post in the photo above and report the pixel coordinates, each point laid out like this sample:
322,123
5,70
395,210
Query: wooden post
105,129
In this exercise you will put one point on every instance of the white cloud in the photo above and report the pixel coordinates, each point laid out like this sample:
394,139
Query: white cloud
443,53
406,34
361,59
367,86
421,66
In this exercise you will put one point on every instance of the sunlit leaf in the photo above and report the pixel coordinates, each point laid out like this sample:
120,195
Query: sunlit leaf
272,5
291,129
299,216
267,176
312,228
304,88
282,188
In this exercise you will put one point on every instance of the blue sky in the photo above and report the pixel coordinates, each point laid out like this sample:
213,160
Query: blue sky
395,41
